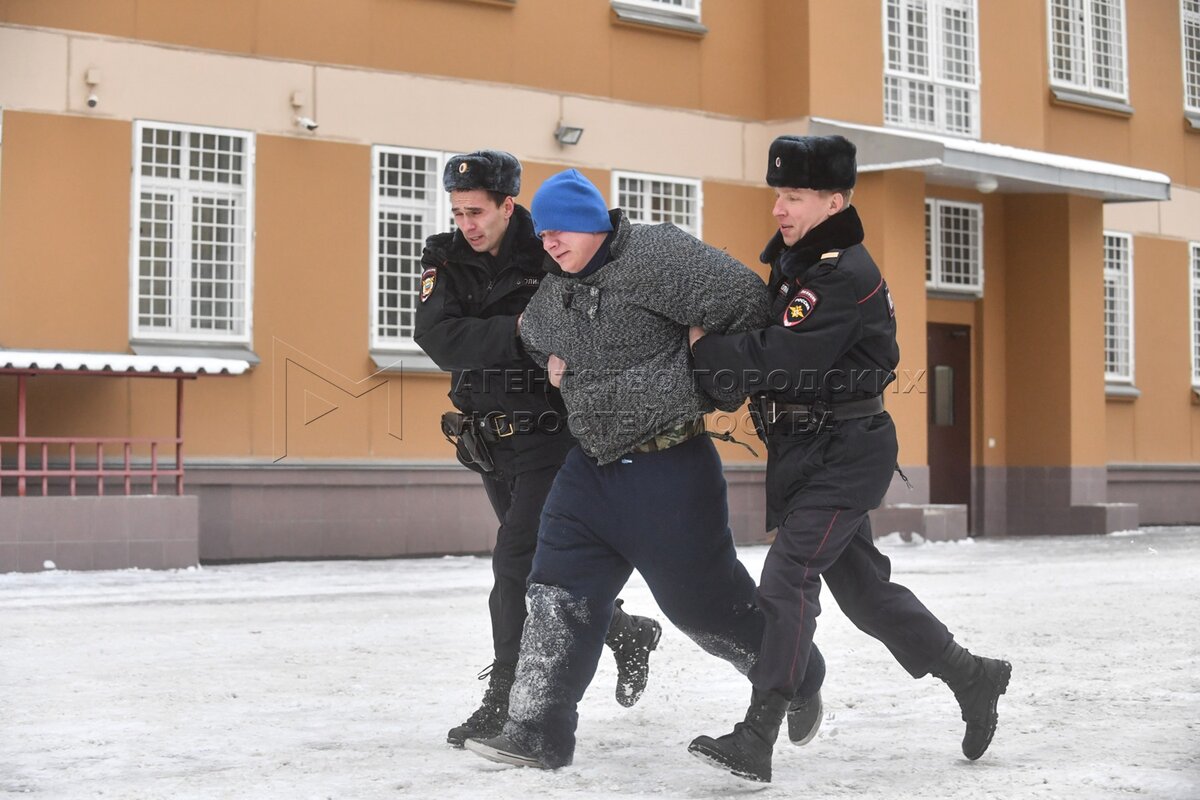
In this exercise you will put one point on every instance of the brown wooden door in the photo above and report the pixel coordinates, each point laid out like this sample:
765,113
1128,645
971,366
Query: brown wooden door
949,383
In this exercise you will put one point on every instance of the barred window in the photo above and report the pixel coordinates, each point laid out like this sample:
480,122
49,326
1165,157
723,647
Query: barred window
1118,307
191,252
1087,46
1195,258
1190,19
931,76
688,8
409,206
954,246
656,198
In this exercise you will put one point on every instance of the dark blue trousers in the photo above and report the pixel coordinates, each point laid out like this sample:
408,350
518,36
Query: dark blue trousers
664,514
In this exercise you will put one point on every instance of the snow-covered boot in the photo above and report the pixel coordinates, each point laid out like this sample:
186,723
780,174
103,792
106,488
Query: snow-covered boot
632,638
487,720
977,684
747,751
504,750
804,718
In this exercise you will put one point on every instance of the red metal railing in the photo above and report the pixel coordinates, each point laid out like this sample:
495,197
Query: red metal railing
42,470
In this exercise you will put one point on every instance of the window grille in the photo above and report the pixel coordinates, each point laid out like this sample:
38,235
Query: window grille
653,199
1087,46
409,206
931,76
192,241
954,246
1118,307
1190,23
1195,254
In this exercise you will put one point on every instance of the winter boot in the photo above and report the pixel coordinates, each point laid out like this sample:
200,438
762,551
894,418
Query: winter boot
977,684
632,639
747,751
804,719
503,750
488,720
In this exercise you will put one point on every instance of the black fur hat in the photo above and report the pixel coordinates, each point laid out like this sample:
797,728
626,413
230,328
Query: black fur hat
812,162
493,170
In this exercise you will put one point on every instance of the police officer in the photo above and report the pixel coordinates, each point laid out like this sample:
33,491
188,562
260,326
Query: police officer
816,377
510,425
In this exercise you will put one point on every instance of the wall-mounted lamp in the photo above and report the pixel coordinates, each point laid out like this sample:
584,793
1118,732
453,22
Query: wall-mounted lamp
567,135
987,184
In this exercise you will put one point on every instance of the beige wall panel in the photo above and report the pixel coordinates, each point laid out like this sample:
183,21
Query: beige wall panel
64,233
1162,324
1013,72
846,60
1120,426
891,205
1139,218
33,65
159,83
629,137
307,30
441,114
651,67
1156,87
456,39
788,70
230,25
733,63
111,17
563,47
1181,217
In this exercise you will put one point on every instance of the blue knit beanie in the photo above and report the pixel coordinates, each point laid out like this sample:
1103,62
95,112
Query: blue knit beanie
569,202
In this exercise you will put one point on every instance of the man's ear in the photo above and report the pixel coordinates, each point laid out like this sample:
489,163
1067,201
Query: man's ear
506,208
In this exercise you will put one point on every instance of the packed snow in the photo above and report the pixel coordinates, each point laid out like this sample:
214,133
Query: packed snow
340,679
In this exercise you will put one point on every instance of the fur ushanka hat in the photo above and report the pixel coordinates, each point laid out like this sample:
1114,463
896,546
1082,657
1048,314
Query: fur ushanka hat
491,170
812,162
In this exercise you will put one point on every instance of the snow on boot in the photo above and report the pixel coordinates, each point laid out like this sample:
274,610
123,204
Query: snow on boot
488,720
747,751
503,750
632,638
977,684
804,719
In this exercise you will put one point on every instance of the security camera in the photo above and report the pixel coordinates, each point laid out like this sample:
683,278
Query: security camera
93,101
306,123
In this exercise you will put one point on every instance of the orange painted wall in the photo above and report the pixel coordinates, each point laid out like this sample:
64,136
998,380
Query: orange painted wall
1014,71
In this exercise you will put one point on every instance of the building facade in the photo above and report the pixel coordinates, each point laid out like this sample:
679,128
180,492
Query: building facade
252,182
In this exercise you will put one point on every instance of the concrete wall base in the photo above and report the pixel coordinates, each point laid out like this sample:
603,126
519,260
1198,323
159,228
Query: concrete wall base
938,523
83,533
1165,494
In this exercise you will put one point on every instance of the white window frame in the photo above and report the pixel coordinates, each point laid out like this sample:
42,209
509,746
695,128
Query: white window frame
939,83
686,8
1194,269
1119,273
1191,55
379,205
1087,46
692,183
186,190
935,274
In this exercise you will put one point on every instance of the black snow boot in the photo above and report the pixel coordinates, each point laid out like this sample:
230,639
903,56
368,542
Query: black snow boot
747,751
804,718
977,684
488,720
632,639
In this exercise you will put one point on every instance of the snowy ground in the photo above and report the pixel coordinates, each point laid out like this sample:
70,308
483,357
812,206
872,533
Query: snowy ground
340,679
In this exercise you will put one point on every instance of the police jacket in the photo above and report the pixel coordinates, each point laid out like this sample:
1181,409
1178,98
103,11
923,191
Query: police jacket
466,321
831,340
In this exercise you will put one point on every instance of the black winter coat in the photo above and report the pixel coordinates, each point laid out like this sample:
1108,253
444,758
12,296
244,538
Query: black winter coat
466,321
832,338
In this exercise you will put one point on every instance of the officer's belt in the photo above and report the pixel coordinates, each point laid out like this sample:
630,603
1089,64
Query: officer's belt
672,436
816,416
497,425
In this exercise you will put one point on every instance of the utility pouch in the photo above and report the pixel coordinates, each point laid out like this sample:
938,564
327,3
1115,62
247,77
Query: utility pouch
469,445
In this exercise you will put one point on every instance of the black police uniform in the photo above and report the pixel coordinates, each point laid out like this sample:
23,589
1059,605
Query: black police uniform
466,321
816,378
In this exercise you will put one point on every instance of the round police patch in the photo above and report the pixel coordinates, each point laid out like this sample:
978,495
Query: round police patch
428,281
800,308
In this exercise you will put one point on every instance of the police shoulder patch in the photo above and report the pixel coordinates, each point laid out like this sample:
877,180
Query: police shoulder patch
801,308
428,281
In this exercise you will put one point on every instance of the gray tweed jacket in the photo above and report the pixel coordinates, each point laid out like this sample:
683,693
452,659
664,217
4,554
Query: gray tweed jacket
623,333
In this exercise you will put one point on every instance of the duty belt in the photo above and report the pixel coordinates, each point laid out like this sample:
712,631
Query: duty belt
672,436
772,416
496,425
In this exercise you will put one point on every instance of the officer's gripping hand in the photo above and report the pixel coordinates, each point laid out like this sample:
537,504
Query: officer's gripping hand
694,335
555,369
